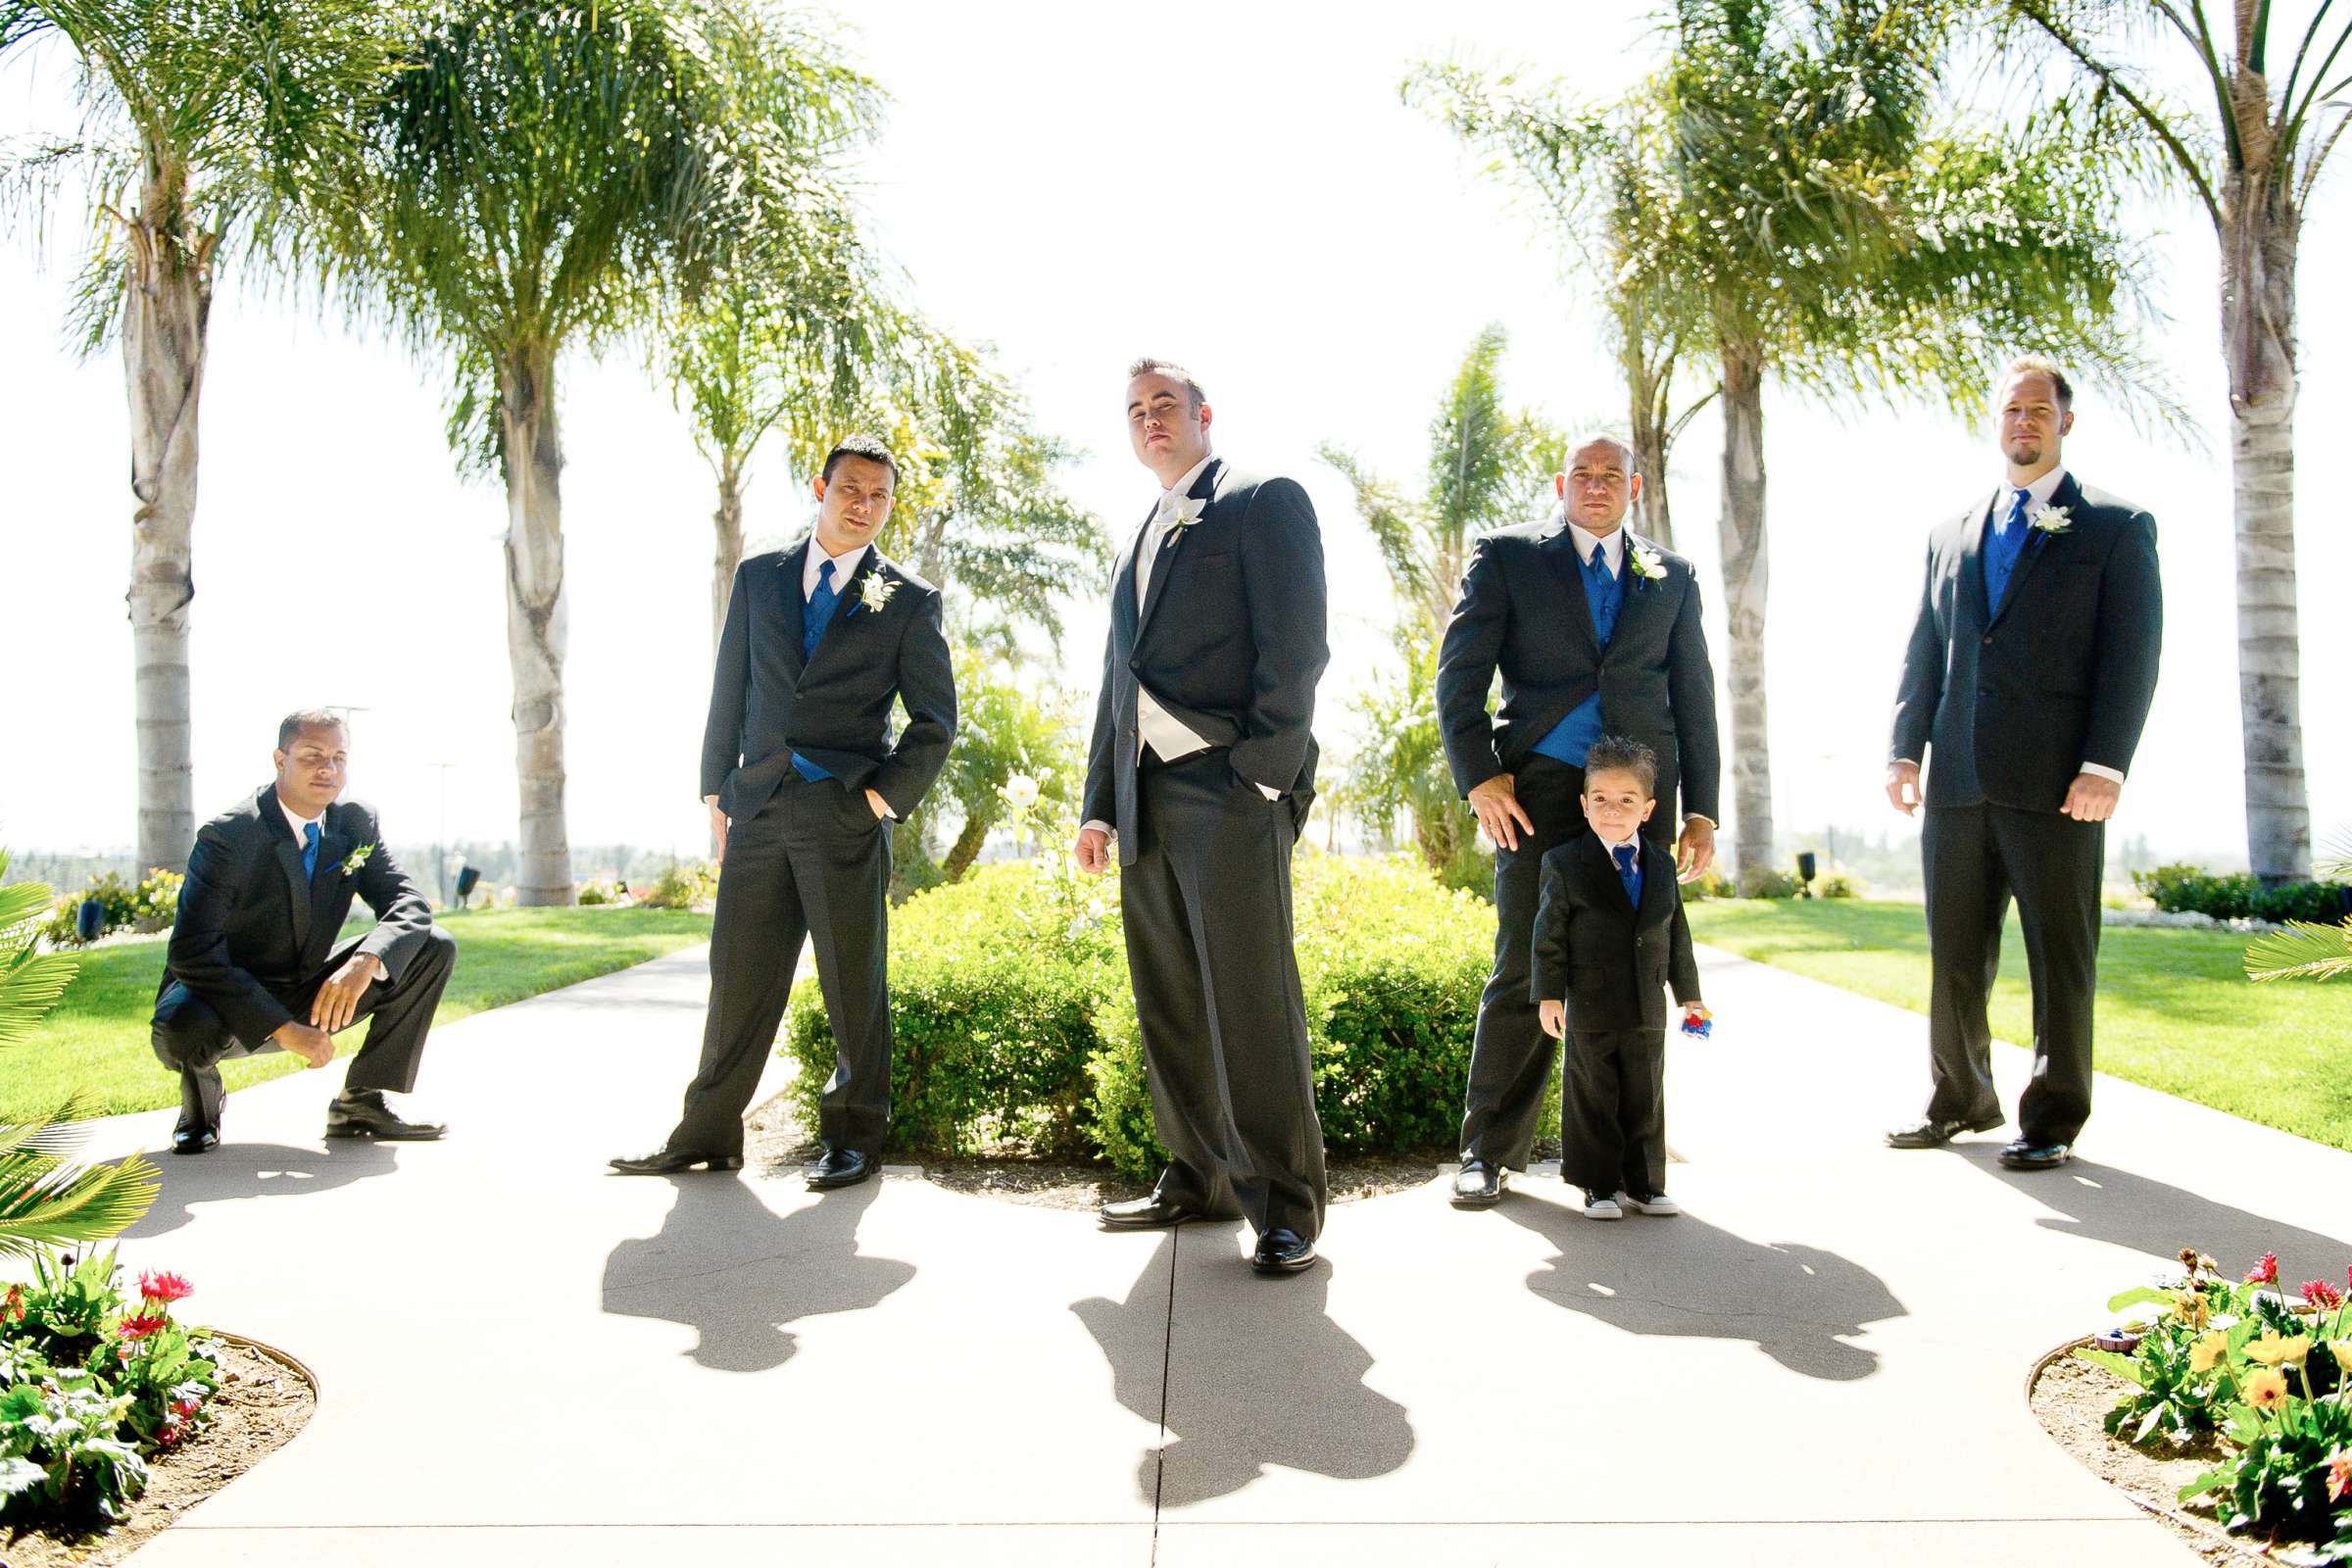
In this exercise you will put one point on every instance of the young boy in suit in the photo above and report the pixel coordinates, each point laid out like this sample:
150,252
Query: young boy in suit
1610,937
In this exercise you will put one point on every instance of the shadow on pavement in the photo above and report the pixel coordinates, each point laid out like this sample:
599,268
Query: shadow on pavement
735,1271
2106,1204
1683,1278
1251,1373
234,1172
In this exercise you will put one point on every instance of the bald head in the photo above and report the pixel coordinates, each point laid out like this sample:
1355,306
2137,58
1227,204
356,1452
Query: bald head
1600,483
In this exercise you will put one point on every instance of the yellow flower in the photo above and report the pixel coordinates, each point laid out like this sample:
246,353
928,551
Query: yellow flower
2341,1350
2191,1307
2267,1390
2207,1352
2272,1350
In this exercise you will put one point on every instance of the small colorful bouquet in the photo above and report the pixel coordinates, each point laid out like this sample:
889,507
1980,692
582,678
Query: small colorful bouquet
1698,1022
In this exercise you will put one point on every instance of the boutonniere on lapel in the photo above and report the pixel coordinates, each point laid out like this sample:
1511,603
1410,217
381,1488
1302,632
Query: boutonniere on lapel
356,858
2052,519
874,590
1188,513
1648,564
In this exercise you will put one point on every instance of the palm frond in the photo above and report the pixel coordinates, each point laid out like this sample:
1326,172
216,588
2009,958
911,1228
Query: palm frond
2304,950
43,1205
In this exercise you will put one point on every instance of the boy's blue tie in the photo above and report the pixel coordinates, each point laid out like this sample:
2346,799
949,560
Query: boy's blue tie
2008,543
309,850
1628,870
814,621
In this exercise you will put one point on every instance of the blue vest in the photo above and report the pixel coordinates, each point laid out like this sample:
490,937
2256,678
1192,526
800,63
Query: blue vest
1571,736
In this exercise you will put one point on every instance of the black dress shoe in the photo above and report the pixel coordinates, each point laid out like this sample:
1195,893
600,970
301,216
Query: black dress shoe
1931,1133
1282,1252
194,1140
365,1115
1156,1209
1478,1186
668,1162
841,1167
2024,1155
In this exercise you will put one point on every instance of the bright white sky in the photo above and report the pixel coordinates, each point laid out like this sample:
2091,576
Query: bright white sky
1234,185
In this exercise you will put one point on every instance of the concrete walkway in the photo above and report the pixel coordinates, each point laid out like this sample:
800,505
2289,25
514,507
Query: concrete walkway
523,1360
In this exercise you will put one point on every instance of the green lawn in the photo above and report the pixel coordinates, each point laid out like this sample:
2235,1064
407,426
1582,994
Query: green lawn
2176,1010
95,1041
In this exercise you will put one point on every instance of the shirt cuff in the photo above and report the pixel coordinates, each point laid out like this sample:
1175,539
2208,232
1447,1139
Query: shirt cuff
1690,817
2098,771
1269,792
1097,825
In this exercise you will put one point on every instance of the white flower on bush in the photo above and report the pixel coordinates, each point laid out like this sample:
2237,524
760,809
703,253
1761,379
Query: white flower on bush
1018,792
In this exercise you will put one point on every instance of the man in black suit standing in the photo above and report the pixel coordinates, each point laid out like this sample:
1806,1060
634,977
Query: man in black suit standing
252,965
1595,631
2024,688
802,781
1202,770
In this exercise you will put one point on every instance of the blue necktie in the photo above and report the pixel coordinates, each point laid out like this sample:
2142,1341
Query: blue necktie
813,620
309,852
2008,543
1601,589
1628,870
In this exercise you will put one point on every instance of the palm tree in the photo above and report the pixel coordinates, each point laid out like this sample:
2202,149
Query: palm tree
1488,467
547,175
1808,220
43,1200
2252,168
209,133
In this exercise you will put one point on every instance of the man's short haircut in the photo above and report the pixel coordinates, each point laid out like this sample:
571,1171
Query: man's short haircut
860,446
1615,754
1175,372
302,718
1591,438
2040,365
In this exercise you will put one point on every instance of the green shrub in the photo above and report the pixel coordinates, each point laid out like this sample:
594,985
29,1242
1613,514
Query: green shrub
1015,1021
2238,896
1764,882
684,885
148,905
1712,884
1840,884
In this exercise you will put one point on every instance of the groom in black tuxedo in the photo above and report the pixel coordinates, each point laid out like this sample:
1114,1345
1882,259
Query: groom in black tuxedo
2026,682
802,781
1595,630
254,962
1202,768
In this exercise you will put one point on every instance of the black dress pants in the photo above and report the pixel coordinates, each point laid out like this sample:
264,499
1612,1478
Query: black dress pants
1207,910
1976,858
1613,1111
813,864
192,1040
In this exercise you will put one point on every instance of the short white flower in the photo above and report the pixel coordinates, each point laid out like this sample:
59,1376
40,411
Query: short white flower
1019,792
358,857
1187,512
2052,519
874,590
1647,562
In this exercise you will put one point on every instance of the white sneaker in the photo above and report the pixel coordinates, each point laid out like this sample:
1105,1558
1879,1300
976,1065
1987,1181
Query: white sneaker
1657,1204
1599,1205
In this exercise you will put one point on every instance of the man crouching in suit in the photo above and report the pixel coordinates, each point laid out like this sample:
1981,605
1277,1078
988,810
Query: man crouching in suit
252,963
802,781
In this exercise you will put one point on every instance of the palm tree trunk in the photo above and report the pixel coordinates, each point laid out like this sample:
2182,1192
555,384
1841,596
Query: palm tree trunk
1745,570
1655,517
168,303
966,847
2258,342
536,618
727,521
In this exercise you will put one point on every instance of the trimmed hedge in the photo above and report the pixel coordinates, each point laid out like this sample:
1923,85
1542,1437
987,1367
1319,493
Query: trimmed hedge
1015,1022
2238,896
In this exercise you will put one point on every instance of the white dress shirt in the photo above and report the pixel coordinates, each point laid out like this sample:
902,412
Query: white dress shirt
1613,542
845,566
2037,496
298,824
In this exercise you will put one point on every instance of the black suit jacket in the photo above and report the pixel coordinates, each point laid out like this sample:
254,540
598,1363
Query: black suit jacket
1523,611
1610,961
2015,702
249,928
767,702
1231,641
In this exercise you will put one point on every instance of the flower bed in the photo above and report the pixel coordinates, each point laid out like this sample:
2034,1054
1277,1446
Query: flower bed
2260,1383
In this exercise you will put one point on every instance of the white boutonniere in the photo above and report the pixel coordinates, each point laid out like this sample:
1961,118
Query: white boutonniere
1188,513
1647,562
874,590
2052,519
356,858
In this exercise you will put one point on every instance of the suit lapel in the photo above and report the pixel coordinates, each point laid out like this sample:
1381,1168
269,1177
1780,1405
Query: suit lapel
1640,593
791,606
1603,865
1558,550
1656,888
2067,495
327,880
289,860
1972,532
850,603
1204,488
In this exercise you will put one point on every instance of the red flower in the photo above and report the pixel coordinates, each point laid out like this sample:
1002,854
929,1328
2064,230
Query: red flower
14,1306
2264,1272
2339,1476
168,1435
2321,1293
140,1326
186,1406
164,1287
